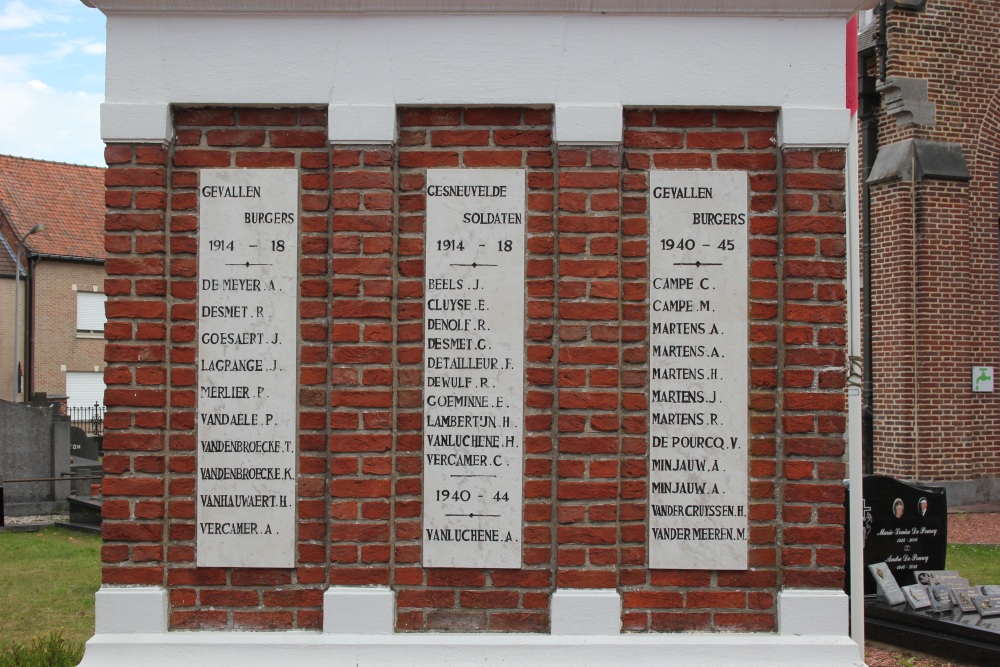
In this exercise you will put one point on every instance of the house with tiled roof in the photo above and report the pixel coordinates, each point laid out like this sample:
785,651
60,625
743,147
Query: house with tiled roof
57,315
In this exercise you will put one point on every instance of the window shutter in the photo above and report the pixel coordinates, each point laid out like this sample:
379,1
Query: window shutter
84,389
90,311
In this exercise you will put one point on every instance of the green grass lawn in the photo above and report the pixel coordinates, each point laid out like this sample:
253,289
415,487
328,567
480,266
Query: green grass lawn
978,563
48,580
47,583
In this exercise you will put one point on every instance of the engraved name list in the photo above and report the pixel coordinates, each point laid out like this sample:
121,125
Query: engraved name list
698,370
247,267
473,368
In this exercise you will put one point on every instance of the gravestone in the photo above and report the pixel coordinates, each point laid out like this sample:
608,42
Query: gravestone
917,596
82,446
906,526
888,590
84,514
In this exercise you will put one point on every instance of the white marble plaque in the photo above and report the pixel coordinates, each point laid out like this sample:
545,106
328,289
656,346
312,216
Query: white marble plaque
247,268
474,368
698,381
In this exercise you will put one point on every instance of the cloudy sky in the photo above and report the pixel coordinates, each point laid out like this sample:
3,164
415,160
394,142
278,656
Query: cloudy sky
51,80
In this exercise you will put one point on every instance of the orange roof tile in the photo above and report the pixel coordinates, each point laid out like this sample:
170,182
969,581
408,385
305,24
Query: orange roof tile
67,199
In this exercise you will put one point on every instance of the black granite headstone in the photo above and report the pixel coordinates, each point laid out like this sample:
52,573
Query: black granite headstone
906,526
82,445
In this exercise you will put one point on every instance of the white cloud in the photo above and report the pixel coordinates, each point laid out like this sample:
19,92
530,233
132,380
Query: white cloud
69,47
14,67
16,15
46,35
40,122
45,112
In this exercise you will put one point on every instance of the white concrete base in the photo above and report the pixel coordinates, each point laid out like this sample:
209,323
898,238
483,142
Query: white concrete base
352,610
806,127
586,612
262,649
131,629
813,612
137,610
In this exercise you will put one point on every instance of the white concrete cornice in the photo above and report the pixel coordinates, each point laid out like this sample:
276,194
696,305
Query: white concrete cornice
805,8
365,66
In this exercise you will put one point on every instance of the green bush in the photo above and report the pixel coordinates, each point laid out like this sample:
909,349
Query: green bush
49,651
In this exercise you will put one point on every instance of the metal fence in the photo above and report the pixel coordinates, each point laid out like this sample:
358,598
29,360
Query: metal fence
90,418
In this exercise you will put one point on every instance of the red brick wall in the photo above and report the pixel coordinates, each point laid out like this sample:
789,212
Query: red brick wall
893,336
471,599
136,354
796,347
361,364
589,464
811,445
149,499
941,240
361,403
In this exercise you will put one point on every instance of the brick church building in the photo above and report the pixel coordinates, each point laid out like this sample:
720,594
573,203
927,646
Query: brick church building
929,134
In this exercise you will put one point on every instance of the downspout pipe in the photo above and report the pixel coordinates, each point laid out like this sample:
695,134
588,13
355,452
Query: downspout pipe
868,104
855,515
29,335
